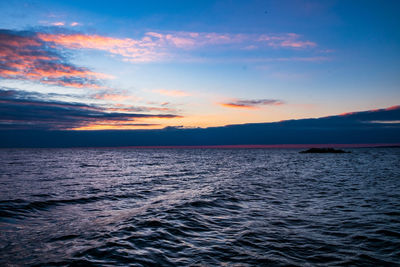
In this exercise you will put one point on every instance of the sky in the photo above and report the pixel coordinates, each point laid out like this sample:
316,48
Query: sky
92,65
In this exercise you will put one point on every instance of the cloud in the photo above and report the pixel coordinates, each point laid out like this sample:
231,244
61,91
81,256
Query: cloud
116,96
23,56
288,40
26,110
59,23
143,50
159,46
190,40
199,39
119,101
174,93
127,108
251,104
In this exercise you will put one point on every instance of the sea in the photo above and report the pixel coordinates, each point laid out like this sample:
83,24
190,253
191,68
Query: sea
199,207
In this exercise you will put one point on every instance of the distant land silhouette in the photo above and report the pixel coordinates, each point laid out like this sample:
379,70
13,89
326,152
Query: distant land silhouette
367,127
324,150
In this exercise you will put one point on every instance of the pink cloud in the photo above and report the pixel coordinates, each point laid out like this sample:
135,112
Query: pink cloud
59,23
155,46
297,44
134,50
189,40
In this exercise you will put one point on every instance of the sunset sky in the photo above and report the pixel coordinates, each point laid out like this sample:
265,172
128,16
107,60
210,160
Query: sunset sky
150,64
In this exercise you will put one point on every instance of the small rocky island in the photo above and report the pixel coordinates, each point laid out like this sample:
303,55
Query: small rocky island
324,150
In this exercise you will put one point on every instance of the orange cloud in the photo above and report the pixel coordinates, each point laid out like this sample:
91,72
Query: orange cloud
115,125
85,41
233,105
123,124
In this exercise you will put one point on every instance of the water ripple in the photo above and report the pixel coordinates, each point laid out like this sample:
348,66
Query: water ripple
199,207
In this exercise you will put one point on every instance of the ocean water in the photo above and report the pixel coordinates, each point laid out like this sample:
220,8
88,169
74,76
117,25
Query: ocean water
199,207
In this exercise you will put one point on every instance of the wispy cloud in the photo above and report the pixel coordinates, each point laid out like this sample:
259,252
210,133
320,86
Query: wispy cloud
251,104
23,56
143,50
158,46
131,108
122,102
58,23
116,96
287,40
196,39
252,41
174,93
25,110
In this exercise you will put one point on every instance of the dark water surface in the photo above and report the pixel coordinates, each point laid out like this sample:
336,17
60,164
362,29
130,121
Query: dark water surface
201,207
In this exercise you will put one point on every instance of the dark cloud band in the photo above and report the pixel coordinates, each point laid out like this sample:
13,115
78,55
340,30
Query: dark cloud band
25,110
251,103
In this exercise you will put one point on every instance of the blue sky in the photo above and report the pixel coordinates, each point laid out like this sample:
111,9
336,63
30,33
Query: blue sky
206,63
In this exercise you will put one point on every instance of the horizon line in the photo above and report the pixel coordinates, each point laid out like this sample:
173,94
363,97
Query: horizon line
375,145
